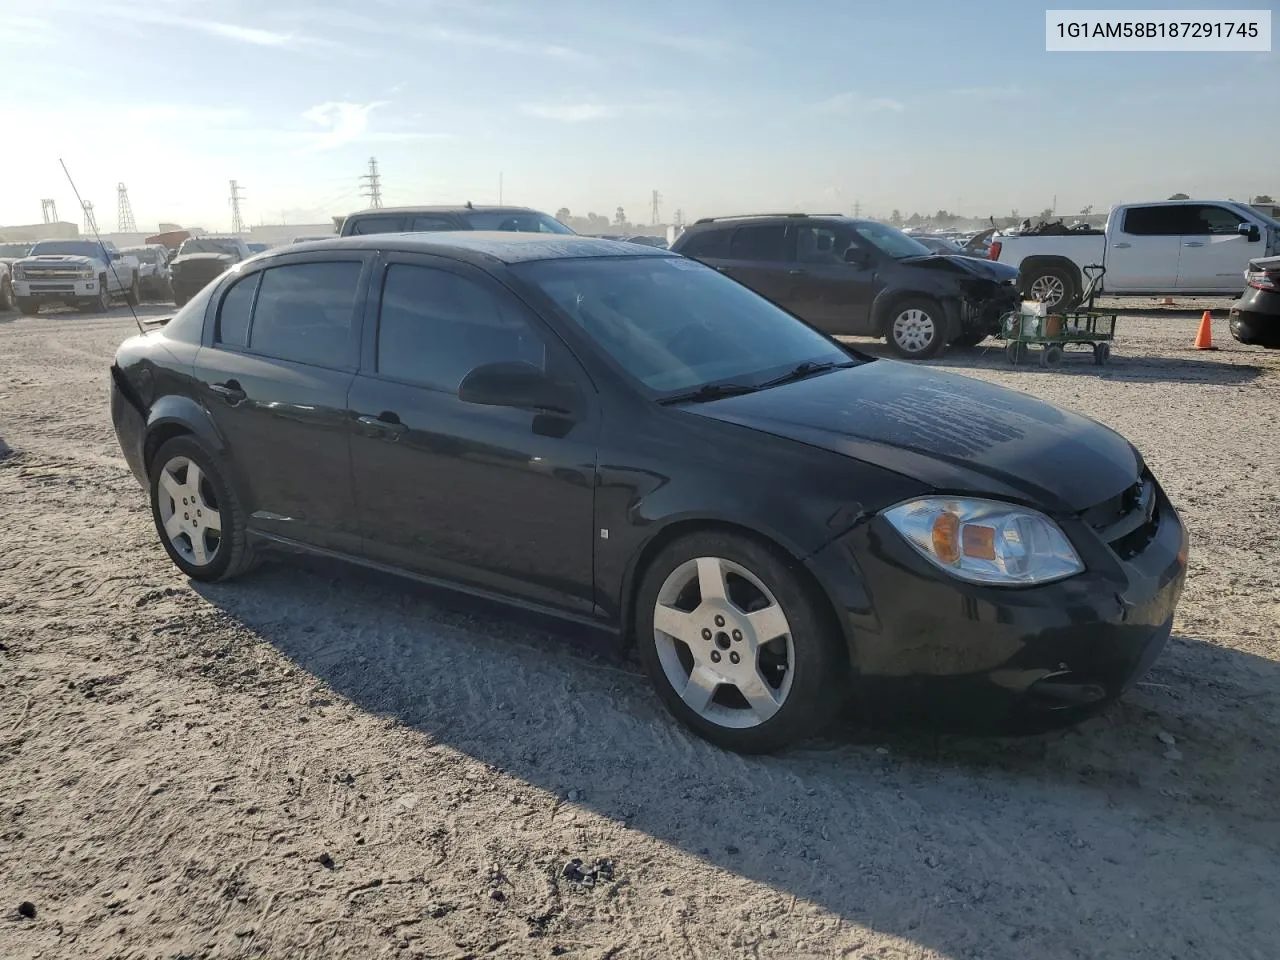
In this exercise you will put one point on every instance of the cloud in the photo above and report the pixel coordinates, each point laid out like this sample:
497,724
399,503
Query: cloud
494,41
1010,92
569,112
344,123
30,31
705,48
156,15
851,102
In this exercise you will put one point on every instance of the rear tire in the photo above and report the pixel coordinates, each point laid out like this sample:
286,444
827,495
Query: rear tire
753,663
915,330
199,518
1055,286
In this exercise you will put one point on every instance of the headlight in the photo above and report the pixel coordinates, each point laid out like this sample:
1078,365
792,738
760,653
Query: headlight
985,541
85,273
19,273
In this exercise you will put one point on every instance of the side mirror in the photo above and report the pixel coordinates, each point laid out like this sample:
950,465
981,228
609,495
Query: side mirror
1251,231
856,256
515,384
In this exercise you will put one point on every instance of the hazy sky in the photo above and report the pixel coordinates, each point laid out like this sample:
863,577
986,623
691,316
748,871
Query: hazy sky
722,105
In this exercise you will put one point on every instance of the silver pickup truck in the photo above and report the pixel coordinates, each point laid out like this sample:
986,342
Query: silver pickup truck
79,273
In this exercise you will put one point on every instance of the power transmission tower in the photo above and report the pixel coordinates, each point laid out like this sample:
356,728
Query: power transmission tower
857,209
124,211
655,211
679,218
237,221
373,190
49,210
90,222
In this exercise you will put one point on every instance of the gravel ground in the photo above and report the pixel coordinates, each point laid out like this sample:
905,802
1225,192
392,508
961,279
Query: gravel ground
314,763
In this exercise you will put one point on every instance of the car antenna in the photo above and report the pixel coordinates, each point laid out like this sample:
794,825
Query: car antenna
111,264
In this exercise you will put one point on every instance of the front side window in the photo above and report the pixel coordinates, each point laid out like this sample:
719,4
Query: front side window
432,224
1210,220
674,324
232,328
435,327
305,313
821,244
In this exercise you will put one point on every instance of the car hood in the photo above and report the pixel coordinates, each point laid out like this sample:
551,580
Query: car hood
954,433
974,266
63,258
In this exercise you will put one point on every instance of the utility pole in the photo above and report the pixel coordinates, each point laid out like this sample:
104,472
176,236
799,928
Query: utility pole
49,210
655,211
499,188
90,223
237,221
373,189
124,211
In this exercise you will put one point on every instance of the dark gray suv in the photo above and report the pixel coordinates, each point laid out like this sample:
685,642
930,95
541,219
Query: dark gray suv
858,277
464,217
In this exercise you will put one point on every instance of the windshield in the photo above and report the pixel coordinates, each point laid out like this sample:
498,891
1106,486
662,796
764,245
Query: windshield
205,245
66,248
14,250
517,221
676,325
891,241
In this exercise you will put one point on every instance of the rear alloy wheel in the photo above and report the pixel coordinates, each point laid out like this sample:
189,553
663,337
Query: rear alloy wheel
1055,287
915,330
198,517
739,648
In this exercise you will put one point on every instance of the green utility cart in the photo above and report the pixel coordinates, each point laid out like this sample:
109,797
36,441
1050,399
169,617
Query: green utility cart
1033,324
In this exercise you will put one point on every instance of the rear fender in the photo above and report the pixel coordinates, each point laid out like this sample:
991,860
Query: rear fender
175,415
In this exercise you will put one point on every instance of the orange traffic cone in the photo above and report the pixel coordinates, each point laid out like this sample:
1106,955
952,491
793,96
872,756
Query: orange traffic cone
1204,336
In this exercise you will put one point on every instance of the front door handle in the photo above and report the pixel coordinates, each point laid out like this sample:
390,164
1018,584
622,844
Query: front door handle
797,272
229,391
1122,246
1193,243
723,269
385,422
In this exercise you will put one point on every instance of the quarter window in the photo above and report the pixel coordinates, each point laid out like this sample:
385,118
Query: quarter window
305,313
436,327
233,314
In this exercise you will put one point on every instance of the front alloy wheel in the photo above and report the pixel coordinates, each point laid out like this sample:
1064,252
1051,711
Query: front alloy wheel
739,645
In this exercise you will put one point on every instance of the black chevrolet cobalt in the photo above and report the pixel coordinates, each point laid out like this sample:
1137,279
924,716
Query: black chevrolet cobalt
619,435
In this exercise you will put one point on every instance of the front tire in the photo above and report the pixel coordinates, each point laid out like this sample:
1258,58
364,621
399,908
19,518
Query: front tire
915,329
739,645
134,296
200,520
6,294
28,306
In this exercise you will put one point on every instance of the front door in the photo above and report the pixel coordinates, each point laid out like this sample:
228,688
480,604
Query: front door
1214,254
833,295
1142,252
495,497
274,374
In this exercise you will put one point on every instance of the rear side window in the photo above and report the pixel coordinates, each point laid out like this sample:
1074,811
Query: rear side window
436,327
759,243
709,245
305,313
1158,221
432,223
233,315
365,226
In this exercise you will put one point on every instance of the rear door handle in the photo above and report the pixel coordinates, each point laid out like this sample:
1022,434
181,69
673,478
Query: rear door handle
797,272
229,391
1193,243
1122,246
385,422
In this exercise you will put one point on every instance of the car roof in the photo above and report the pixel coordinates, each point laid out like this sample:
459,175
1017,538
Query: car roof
449,208
502,246
756,219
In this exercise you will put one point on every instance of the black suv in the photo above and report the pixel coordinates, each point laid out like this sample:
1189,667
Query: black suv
201,260
858,277
465,217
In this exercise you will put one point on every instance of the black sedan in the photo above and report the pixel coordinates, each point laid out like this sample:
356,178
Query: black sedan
1255,317
621,436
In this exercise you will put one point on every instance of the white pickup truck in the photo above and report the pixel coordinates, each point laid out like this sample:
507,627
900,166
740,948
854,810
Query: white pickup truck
80,273
1188,248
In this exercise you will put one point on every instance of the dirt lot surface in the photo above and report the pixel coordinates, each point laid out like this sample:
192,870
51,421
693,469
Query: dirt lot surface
312,763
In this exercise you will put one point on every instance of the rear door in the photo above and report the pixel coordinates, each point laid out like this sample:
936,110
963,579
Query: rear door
1142,249
762,256
273,373
829,293
1214,255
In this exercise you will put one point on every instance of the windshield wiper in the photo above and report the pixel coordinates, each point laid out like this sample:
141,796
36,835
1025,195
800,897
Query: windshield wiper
710,391
806,369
